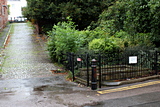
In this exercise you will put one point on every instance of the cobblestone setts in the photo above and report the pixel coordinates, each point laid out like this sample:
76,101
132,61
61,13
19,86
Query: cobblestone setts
24,56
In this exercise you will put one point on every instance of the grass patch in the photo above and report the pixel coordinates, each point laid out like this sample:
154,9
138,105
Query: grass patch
12,28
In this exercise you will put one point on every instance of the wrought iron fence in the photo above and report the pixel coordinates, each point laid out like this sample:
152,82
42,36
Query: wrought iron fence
116,66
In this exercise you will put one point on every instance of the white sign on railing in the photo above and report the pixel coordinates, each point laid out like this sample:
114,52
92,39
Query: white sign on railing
132,59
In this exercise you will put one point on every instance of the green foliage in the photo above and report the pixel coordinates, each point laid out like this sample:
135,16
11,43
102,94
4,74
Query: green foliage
122,34
111,19
43,13
50,12
136,17
139,39
155,16
65,38
8,10
123,24
97,45
104,45
70,75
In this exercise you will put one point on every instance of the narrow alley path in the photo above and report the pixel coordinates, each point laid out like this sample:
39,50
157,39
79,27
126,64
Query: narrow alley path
26,79
25,57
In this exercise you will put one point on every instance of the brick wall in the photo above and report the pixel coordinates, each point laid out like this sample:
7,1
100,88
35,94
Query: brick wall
3,13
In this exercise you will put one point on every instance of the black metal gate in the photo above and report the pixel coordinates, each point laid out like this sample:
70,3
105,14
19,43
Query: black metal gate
117,66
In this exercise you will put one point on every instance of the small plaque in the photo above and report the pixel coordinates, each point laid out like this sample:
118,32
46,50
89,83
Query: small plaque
133,60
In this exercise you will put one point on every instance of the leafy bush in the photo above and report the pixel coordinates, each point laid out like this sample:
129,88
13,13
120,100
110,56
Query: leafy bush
98,45
65,38
138,39
104,45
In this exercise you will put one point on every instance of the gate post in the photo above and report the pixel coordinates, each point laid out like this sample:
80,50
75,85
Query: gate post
72,66
156,61
100,72
87,57
94,75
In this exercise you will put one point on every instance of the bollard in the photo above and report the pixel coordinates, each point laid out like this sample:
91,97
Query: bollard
94,75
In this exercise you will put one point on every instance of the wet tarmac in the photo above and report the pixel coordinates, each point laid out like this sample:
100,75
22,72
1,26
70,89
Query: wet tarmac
42,92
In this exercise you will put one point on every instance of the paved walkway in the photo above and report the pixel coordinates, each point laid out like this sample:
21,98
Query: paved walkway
24,56
26,79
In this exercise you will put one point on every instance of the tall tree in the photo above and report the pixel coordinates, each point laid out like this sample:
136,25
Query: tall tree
49,12
42,13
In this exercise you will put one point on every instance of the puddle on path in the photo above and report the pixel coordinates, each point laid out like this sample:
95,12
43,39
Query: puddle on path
100,104
51,88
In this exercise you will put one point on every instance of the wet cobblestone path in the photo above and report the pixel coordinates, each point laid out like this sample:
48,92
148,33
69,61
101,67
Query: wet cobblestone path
24,56
26,79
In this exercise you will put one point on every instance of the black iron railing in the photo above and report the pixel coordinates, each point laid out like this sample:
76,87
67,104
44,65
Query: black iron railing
116,66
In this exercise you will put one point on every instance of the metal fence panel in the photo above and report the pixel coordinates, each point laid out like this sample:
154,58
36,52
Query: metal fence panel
117,66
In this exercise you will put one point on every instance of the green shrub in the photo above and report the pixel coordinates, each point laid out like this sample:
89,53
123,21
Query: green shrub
98,45
142,39
138,39
65,38
104,45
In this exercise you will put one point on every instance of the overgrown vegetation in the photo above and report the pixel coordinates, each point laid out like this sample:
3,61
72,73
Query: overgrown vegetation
138,18
103,26
65,38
